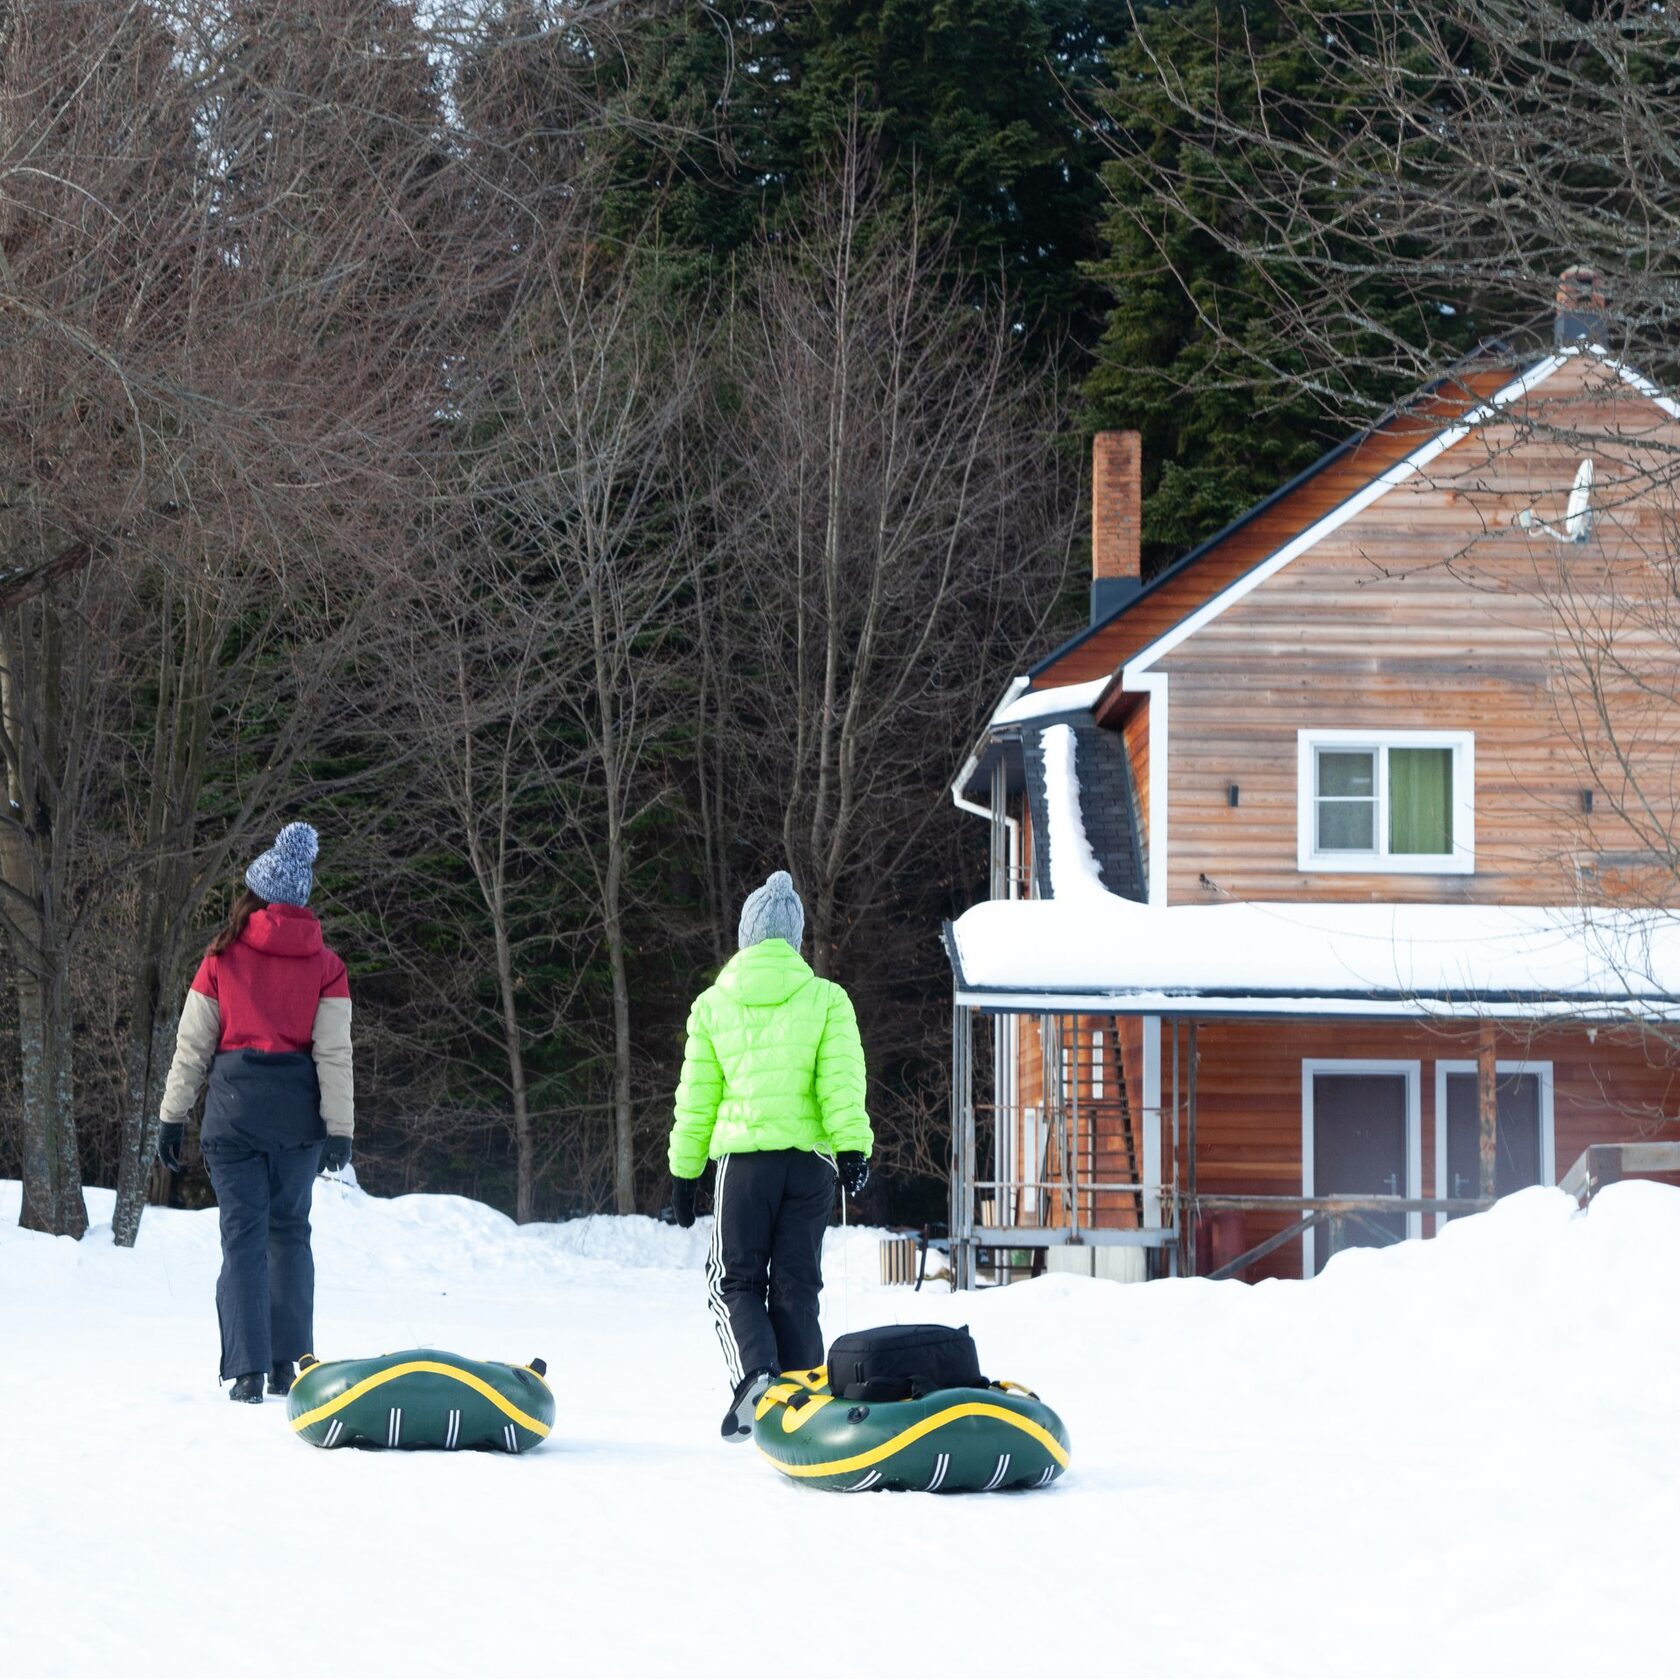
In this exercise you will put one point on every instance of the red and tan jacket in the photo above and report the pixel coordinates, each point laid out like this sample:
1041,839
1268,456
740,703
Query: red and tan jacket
277,988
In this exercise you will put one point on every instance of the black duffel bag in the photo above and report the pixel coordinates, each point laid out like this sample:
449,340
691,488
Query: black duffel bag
903,1362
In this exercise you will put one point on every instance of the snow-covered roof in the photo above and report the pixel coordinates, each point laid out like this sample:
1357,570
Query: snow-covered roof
1084,810
1022,706
1091,950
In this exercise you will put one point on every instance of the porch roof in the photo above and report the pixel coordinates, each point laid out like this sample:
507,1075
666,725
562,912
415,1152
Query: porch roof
1094,953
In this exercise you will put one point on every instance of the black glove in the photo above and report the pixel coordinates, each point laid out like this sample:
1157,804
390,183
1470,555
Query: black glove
335,1154
171,1135
682,1200
853,1167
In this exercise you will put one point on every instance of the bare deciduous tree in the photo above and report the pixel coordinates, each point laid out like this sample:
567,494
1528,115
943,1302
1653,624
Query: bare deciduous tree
603,380
238,264
894,520
888,516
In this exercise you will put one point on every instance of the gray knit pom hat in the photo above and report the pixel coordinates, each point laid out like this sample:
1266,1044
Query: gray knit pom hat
773,912
282,874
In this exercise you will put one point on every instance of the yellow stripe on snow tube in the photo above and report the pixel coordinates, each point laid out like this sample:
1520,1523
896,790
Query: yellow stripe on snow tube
421,1398
956,1440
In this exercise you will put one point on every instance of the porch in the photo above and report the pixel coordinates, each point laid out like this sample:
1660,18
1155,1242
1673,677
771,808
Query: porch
1077,1169
1206,1130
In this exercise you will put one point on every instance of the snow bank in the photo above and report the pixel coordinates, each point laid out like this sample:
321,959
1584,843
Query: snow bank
1431,953
423,1239
1445,1457
640,1242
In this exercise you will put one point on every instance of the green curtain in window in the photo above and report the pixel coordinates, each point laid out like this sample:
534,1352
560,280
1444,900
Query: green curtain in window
1420,800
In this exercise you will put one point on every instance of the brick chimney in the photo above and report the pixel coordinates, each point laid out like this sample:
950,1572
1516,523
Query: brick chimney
1580,307
1116,521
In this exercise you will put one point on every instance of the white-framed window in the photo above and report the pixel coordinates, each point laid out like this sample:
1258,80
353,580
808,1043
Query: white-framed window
1398,801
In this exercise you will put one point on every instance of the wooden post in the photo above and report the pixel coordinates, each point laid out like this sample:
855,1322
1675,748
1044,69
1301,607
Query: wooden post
1177,1180
1190,1145
1487,1109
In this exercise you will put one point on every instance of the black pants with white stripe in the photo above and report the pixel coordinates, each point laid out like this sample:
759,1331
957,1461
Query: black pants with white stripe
764,1272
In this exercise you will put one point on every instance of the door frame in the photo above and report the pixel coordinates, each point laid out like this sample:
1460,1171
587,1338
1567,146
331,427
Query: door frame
1548,1133
1412,1072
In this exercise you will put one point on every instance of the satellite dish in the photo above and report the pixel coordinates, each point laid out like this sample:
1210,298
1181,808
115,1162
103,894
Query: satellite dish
1577,518
1577,513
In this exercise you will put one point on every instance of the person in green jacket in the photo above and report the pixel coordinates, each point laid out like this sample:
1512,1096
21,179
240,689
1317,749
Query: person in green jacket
772,1089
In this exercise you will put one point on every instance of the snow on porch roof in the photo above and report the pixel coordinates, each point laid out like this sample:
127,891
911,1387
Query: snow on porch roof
1095,953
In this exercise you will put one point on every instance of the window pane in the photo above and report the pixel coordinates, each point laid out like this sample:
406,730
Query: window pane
1420,800
1517,1132
1347,775
1346,825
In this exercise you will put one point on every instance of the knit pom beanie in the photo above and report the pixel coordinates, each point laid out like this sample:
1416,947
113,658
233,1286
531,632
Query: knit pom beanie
283,874
773,912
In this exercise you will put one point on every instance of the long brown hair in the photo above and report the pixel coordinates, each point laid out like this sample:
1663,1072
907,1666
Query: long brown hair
244,908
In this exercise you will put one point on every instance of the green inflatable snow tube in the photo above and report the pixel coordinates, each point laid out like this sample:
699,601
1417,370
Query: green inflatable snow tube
421,1398
955,1440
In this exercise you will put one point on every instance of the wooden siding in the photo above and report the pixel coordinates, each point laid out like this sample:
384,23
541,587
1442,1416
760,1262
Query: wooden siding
1618,1087
1026,848
1248,1122
1432,609
1161,607
1134,731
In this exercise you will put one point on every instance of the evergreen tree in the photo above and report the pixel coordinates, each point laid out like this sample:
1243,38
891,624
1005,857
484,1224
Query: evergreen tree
975,101
1198,352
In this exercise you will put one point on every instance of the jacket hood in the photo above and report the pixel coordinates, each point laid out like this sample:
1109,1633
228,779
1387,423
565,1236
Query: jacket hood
283,930
765,974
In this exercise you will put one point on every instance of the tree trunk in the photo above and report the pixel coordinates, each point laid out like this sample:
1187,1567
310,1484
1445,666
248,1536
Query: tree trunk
822,927
52,1179
525,1151
150,1044
1487,1110
709,773
624,1152
179,739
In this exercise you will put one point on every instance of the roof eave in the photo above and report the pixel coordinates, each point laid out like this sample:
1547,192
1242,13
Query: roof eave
1255,1004
968,776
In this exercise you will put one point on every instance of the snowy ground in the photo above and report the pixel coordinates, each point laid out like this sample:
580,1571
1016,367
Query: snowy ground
1448,1458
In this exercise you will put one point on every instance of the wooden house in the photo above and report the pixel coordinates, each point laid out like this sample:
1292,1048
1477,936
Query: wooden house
1333,869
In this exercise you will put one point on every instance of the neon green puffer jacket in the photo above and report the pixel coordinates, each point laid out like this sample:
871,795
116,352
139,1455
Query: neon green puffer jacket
773,1062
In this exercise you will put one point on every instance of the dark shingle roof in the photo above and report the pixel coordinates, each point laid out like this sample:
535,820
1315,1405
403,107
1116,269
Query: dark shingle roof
1107,803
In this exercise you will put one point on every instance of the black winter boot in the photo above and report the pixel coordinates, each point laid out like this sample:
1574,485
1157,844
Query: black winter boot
738,1420
247,1388
281,1378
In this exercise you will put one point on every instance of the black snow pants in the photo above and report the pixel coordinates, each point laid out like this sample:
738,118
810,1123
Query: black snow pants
764,1271
262,1143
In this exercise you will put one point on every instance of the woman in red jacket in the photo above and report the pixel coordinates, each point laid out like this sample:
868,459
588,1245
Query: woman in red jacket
268,1021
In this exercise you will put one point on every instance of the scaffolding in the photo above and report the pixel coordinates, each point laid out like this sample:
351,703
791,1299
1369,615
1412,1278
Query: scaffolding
1040,1175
